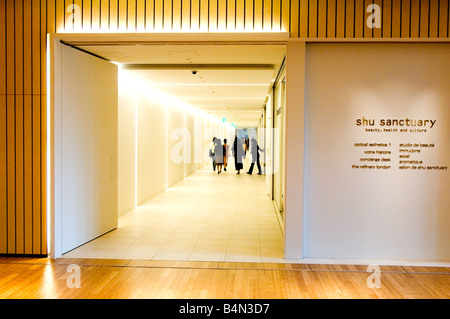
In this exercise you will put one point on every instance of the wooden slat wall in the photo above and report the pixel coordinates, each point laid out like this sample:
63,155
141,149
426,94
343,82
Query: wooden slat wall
302,18
25,23
23,28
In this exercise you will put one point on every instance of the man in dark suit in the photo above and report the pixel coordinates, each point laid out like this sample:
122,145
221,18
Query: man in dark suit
255,149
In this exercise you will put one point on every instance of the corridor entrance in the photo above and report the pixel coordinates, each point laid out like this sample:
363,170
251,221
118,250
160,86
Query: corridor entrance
181,209
205,217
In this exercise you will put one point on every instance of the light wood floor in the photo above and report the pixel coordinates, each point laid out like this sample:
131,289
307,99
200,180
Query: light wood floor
121,278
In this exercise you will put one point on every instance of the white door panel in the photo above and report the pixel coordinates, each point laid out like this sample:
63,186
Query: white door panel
88,147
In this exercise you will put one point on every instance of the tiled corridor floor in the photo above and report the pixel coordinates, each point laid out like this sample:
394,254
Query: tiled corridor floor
206,217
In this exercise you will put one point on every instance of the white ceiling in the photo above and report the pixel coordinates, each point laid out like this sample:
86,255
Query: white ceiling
231,81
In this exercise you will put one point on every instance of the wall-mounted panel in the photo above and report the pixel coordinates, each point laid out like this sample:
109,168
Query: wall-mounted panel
190,156
175,145
126,150
377,168
151,147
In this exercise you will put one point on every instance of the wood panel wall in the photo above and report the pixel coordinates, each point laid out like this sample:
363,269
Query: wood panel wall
302,18
23,226
25,23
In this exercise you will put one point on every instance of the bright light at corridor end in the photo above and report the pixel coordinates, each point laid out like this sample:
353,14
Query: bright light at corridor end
127,80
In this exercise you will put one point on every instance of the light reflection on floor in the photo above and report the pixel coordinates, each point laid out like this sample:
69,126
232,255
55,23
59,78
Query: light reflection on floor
205,217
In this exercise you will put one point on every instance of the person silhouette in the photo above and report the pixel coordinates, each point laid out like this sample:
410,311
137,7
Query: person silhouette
238,153
226,154
218,151
254,150
212,154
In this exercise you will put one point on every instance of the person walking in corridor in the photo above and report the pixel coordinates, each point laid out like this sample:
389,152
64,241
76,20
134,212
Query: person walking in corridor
255,149
211,153
226,154
218,151
238,153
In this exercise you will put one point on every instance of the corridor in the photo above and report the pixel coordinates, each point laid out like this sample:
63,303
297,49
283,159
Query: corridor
205,217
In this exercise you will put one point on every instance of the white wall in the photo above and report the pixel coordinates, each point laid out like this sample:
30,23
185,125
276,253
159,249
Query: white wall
126,146
190,165
151,148
142,148
380,213
160,143
175,145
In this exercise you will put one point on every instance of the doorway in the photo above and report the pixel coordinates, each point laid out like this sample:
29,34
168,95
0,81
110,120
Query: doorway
184,174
